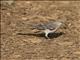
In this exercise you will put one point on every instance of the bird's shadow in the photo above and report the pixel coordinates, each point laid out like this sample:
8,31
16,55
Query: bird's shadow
51,35
55,35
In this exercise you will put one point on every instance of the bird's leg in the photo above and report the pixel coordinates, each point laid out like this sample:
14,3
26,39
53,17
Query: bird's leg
46,35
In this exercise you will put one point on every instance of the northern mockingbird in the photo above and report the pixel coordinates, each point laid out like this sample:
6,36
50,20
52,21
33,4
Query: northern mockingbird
49,27
46,28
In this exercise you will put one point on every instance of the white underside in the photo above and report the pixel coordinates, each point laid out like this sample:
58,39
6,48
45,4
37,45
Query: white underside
47,31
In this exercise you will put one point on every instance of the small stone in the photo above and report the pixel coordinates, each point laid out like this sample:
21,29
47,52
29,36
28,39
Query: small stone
24,18
28,2
8,14
69,24
35,40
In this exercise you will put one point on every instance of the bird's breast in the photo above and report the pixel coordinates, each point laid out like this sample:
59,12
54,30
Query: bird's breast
47,31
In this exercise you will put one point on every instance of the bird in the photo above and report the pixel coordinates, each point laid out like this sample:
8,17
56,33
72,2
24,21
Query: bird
46,28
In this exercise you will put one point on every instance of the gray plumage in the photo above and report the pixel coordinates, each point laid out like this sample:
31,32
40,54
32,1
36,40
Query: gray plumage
44,27
49,27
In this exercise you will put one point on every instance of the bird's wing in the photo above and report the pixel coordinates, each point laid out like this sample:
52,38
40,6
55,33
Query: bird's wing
52,25
40,26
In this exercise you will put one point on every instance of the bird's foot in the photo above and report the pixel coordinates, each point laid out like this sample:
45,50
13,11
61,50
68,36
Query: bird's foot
47,38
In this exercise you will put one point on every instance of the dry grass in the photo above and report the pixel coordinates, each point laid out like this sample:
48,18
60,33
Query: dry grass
15,17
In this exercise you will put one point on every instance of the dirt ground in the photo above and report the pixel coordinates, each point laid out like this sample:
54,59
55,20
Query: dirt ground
15,17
